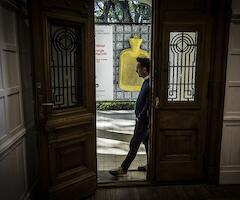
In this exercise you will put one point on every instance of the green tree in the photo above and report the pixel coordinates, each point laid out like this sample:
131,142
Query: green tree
122,11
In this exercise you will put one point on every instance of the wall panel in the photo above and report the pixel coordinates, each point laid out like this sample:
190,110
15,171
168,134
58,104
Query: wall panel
2,118
8,21
10,62
13,172
230,149
14,112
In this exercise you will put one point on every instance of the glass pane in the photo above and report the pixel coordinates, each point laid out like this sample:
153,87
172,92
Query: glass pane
182,66
64,64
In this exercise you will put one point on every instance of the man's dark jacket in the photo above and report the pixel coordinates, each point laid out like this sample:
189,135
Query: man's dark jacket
142,103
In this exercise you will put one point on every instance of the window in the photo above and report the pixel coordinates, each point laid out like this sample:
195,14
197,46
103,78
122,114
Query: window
182,66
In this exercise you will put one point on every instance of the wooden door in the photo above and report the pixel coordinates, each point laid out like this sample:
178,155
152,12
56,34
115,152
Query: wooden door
184,37
63,48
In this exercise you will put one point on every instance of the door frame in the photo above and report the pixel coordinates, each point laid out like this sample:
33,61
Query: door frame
216,93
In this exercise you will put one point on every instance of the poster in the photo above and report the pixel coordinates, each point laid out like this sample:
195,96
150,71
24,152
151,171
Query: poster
104,62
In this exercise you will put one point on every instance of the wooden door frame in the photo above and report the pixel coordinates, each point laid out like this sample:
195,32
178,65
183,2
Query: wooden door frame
216,89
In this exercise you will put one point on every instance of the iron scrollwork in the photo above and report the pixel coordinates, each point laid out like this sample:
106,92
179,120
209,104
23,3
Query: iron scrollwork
182,66
65,64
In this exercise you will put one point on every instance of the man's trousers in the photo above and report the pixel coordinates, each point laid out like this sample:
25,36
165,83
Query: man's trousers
141,134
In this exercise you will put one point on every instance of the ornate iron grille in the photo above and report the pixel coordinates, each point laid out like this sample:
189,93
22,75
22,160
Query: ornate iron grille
65,64
182,66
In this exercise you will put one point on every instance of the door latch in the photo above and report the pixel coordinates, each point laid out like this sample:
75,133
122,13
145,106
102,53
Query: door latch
46,107
46,104
157,102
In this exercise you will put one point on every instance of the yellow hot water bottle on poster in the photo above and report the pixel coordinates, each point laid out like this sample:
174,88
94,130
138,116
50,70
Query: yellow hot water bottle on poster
128,77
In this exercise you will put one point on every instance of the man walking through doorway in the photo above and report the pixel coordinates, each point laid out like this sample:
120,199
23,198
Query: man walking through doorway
141,127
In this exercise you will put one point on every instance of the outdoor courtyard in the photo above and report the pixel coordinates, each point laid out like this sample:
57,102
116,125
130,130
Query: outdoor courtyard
114,132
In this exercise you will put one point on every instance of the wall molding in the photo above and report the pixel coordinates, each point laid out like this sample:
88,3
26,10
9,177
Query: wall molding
11,3
231,117
230,174
31,191
14,3
236,16
235,13
11,143
17,5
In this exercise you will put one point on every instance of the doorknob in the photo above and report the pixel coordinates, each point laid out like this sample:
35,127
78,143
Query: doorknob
157,102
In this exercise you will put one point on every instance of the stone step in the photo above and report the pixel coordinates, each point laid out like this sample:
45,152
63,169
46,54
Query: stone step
115,147
124,136
115,124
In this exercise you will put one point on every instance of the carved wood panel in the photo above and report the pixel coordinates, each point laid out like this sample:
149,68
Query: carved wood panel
179,145
70,158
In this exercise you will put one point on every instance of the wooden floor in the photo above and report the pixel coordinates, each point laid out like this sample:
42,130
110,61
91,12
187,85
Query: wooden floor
186,192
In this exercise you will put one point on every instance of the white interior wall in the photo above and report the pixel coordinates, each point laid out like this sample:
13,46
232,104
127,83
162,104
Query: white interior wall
13,171
230,151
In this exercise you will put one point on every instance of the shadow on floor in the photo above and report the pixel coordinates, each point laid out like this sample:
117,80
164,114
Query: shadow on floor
132,175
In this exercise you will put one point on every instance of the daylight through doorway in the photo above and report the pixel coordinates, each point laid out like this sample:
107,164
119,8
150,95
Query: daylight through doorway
122,33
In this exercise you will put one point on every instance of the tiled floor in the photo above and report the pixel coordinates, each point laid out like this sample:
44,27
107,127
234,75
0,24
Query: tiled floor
114,132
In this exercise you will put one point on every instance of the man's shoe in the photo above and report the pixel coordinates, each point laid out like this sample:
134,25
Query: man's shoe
142,168
118,172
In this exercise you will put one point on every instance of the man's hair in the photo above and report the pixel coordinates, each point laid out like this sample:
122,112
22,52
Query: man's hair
144,62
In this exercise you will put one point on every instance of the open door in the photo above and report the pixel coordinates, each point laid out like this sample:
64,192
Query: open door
185,35
63,48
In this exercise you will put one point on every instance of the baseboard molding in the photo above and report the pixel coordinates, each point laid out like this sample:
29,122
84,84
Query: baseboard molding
230,175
